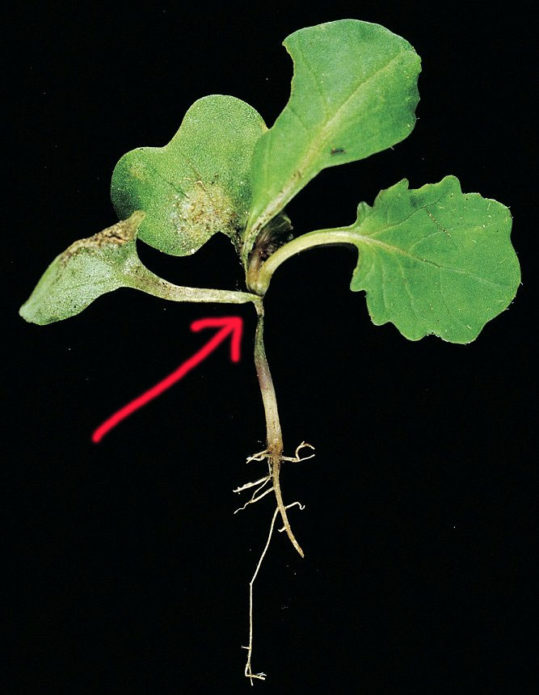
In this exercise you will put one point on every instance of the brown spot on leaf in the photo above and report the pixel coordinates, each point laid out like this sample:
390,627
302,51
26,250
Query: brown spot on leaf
117,235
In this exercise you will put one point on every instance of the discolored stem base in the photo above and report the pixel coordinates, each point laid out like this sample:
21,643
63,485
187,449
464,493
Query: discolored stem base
274,438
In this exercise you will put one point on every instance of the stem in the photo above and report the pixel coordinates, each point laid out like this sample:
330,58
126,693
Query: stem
260,280
274,435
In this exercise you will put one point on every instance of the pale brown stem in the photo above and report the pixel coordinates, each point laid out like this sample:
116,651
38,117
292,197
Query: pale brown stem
273,426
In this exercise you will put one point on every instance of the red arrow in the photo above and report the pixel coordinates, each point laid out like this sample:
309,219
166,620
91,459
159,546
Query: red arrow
228,325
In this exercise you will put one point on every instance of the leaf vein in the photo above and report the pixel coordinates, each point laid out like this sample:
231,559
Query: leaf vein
389,248
408,292
358,86
314,78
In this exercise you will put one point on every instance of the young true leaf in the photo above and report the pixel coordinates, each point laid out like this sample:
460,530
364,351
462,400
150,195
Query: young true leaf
353,93
432,260
100,264
435,260
196,185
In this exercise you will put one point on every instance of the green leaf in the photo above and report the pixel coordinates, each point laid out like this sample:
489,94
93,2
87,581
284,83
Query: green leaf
84,271
196,185
435,260
103,263
353,93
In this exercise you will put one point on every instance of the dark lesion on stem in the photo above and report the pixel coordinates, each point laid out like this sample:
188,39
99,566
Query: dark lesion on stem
274,235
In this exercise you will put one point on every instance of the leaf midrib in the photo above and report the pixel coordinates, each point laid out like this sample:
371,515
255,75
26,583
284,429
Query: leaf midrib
357,238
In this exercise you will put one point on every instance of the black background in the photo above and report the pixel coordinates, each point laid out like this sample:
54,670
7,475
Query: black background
130,570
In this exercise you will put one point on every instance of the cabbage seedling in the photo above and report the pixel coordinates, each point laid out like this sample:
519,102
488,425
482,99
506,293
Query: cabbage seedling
431,260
